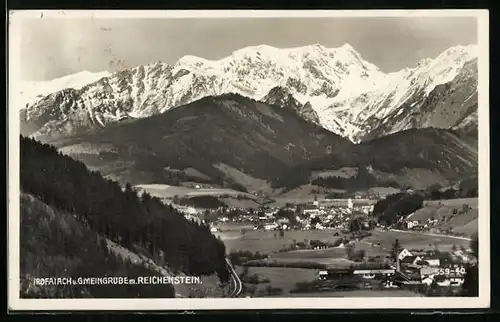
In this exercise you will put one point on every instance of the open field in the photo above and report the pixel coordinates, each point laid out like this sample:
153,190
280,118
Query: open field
384,191
414,240
264,241
166,191
281,201
343,202
458,214
472,202
468,229
284,278
332,257
303,194
232,198
345,172
240,203
251,183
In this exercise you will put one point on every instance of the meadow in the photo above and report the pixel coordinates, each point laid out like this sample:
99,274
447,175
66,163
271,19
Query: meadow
167,191
414,240
284,278
459,215
378,244
265,242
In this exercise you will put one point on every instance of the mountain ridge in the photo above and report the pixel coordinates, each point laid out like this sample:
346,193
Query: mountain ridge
259,140
349,95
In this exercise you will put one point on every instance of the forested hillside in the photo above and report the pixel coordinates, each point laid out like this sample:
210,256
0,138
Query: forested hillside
252,137
55,244
120,214
442,152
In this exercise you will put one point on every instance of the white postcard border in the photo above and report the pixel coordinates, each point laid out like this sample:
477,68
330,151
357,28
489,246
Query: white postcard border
16,303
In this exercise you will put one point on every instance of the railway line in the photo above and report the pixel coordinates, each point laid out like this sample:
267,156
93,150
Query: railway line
238,285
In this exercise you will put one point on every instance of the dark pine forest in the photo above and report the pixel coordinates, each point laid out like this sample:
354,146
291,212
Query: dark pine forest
120,214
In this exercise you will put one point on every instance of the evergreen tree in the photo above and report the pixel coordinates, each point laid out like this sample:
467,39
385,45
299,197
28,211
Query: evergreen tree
471,279
395,250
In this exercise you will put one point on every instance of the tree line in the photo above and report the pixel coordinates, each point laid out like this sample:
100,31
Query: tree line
467,188
119,213
393,207
362,180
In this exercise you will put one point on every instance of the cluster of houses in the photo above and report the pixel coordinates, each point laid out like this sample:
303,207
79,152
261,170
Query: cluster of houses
430,269
319,214
315,215
417,225
411,268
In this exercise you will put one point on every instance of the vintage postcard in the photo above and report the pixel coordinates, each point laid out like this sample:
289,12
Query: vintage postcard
194,160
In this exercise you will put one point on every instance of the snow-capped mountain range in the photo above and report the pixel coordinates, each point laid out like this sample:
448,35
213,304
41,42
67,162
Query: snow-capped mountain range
334,87
32,91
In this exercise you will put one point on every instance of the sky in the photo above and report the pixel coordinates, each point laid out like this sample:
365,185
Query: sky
55,47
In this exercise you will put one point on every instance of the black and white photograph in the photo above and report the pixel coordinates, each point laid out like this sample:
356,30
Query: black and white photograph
248,159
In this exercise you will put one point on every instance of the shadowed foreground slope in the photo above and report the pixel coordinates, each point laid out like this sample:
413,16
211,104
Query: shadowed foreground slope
55,244
120,215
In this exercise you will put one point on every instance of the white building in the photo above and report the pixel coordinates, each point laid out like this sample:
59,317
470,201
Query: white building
319,226
433,261
349,204
270,226
428,280
456,281
404,253
311,210
411,224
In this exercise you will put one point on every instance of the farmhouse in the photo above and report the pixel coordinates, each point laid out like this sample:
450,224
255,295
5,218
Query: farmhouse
432,261
311,210
334,273
404,253
372,273
412,224
411,260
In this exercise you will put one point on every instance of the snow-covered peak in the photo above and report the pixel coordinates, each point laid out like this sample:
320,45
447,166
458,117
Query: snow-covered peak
307,71
32,91
192,62
447,65
347,46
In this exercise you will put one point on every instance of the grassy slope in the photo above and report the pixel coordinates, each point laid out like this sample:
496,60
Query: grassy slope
458,214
